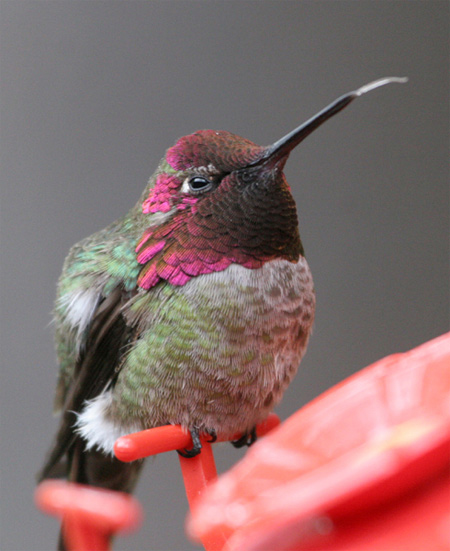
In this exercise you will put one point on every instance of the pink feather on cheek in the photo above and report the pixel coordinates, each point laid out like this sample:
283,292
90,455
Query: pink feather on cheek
160,196
187,201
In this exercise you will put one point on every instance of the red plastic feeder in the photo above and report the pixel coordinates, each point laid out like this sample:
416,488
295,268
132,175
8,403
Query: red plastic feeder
90,516
363,467
198,472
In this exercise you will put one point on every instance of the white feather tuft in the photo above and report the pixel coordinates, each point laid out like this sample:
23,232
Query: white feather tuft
79,307
98,431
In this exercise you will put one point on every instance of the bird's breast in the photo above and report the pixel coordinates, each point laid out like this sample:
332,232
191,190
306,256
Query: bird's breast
217,353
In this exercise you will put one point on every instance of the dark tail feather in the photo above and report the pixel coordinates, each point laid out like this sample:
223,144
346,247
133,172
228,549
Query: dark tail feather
104,471
97,469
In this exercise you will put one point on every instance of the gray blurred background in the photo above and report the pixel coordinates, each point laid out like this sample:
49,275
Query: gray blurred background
92,95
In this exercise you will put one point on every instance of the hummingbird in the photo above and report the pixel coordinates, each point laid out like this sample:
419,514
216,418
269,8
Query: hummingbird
195,308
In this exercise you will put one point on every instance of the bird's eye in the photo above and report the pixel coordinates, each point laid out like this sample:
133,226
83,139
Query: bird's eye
198,183
246,176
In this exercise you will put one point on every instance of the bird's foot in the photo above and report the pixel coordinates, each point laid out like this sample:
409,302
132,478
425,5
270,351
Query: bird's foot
212,435
196,443
247,439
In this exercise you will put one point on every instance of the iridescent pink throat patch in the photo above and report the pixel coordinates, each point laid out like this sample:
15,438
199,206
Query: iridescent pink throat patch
182,249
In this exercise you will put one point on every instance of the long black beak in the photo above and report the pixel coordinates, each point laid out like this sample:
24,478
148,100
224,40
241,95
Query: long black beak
281,148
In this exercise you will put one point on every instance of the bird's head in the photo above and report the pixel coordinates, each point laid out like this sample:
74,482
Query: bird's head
222,199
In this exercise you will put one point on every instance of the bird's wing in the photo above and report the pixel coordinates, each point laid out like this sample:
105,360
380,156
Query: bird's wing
97,368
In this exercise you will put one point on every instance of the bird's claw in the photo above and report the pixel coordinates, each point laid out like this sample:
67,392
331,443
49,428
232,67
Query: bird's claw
247,439
212,436
196,445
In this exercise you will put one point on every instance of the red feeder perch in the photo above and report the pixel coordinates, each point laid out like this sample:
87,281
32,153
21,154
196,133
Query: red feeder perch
363,467
90,516
198,472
